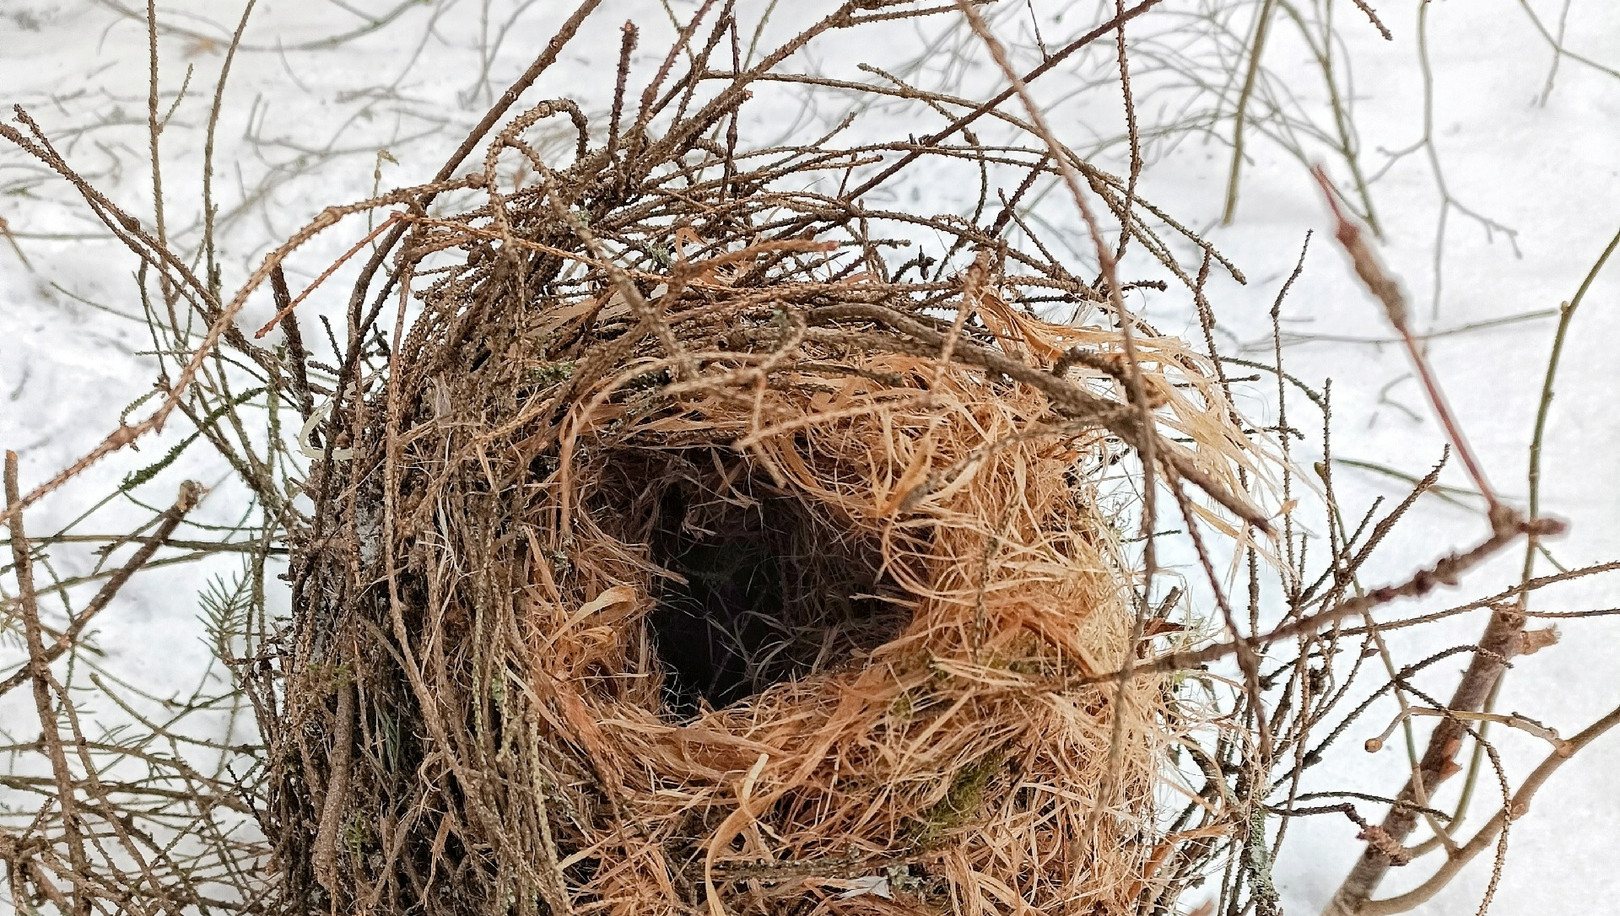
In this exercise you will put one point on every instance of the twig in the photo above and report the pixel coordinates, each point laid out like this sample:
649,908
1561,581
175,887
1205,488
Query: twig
1517,807
39,671
190,493
1446,571
1388,292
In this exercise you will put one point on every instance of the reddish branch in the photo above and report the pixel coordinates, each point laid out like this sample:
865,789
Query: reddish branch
1504,634
1502,641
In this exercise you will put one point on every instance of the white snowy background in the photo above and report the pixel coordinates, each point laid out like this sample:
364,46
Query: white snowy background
321,88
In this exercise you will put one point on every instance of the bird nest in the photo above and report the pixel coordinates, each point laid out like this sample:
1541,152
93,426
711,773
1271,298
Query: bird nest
688,549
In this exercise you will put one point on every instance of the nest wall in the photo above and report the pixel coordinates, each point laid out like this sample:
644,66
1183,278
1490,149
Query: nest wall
518,724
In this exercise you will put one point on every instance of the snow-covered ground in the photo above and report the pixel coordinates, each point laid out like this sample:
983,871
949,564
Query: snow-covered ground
318,95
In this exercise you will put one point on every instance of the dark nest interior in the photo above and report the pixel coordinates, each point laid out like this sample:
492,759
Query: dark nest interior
698,542
752,586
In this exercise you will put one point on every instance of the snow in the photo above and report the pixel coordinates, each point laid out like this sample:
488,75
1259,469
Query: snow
305,124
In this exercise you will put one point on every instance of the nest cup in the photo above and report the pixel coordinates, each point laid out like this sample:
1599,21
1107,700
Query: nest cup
802,624
682,556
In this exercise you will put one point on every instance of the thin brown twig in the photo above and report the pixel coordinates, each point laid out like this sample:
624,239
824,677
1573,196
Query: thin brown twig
1388,292
171,518
45,685
1446,571
1517,807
